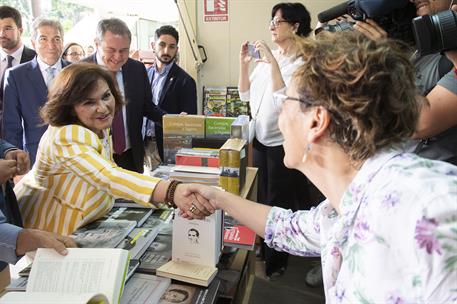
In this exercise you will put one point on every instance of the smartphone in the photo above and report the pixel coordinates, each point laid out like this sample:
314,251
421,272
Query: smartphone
253,52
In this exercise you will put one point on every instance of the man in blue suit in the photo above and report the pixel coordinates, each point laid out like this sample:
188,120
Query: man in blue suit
173,90
26,87
14,240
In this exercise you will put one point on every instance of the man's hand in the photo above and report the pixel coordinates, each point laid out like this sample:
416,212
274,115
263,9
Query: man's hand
192,205
32,239
370,29
8,169
22,160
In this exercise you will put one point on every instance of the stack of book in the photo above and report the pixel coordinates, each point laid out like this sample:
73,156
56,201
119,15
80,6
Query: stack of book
233,162
178,131
198,157
196,174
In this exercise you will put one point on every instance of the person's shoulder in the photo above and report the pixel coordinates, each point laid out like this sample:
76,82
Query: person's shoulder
23,67
74,133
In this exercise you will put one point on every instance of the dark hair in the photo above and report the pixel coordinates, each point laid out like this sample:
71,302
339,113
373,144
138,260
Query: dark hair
294,13
167,30
113,25
195,230
71,87
11,12
69,45
368,87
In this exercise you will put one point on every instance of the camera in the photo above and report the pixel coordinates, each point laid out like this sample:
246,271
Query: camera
359,10
435,33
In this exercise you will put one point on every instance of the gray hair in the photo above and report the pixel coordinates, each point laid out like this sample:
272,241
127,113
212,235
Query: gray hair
46,22
115,26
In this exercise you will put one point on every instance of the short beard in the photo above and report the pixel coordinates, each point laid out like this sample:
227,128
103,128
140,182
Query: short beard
166,62
10,44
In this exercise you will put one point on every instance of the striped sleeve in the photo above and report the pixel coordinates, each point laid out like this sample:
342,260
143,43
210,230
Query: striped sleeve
80,151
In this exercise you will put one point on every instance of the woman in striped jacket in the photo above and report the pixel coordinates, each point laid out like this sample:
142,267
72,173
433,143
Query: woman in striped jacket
74,180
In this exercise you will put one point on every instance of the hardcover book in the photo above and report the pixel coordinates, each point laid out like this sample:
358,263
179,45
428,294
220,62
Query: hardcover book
138,241
237,235
55,278
218,127
232,162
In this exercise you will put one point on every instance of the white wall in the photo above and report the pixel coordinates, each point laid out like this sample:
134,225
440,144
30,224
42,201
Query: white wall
247,20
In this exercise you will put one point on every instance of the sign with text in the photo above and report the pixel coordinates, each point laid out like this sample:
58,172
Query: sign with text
216,10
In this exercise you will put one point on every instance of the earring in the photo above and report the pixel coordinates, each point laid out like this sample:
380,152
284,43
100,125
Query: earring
307,150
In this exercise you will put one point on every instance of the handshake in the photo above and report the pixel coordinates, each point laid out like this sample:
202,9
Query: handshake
16,162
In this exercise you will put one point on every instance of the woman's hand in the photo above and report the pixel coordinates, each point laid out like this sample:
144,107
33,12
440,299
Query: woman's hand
265,50
191,204
244,54
370,29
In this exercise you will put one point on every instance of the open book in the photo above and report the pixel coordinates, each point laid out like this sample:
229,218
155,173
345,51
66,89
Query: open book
84,275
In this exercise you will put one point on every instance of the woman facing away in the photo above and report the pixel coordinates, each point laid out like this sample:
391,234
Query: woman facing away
272,73
74,180
387,232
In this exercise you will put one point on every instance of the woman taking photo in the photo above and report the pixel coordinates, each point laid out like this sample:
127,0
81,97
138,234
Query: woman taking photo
272,73
74,180
387,231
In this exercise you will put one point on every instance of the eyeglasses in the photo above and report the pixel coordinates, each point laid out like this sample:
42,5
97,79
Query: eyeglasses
74,54
276,23
280,98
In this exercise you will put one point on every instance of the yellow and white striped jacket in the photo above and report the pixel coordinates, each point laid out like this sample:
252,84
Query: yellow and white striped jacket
74,181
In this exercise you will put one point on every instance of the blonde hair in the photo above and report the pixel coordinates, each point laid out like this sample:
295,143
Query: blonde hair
367,87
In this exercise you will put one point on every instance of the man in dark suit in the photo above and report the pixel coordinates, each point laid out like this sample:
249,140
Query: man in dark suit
26,87
112,42
14,240
173,90
12,52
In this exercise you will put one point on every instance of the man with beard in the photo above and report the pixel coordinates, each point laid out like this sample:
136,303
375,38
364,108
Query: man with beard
12,52
112,42
173,90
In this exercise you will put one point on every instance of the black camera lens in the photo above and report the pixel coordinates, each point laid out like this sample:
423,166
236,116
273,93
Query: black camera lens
436,33
337,27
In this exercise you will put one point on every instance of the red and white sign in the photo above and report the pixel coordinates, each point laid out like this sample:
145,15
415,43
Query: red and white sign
216,10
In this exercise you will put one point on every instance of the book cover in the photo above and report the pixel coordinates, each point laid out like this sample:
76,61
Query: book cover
234,105
198,157
138,215
197,241
144,288
103,234
158,254
237,235
184,293
214,101
188,272
218,127
161,219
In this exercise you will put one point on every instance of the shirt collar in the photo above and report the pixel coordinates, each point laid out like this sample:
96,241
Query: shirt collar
44,66
165,69
16,54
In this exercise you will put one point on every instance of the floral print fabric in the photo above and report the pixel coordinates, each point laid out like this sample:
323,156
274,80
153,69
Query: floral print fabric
395,240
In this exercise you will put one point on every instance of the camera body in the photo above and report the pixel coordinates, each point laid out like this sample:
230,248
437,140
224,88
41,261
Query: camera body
435,33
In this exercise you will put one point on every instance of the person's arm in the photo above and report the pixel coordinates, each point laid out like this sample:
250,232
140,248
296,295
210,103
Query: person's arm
8,237
244,83
78,151
438,113
284,230
12,116
188,96
276,78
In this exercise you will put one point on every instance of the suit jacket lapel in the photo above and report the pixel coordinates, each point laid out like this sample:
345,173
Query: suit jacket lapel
171,77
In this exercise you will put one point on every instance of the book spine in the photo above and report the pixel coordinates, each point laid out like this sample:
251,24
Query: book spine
223,163
233,181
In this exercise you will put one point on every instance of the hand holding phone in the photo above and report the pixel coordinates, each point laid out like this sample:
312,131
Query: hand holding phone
255,54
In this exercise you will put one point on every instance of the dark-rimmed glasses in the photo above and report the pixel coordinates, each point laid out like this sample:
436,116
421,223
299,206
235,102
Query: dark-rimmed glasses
276,22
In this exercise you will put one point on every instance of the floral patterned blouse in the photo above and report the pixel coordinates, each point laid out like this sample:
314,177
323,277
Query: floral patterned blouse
395,240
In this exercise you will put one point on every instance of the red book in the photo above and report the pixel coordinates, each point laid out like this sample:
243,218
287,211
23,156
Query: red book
239,236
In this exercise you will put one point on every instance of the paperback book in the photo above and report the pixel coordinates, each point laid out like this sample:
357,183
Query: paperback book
158,254
138,215
144,288
103,234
